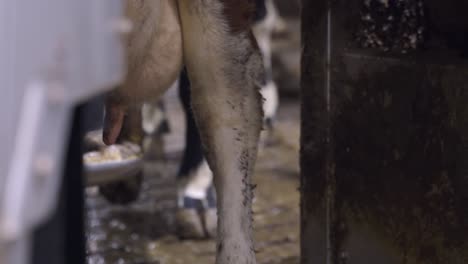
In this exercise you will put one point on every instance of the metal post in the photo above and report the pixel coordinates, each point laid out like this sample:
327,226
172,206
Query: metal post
384,141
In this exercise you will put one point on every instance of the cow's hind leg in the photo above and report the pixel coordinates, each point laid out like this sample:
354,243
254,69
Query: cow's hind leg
196,212
226,71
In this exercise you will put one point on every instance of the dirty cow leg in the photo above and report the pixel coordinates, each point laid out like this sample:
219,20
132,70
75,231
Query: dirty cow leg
225,70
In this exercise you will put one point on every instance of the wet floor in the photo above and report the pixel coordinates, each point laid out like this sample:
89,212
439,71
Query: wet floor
143,232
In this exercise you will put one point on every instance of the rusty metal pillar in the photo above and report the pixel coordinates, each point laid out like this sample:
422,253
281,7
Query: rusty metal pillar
384,147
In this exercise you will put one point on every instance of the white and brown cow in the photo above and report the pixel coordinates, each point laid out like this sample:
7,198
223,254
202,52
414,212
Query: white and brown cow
213,39
196,213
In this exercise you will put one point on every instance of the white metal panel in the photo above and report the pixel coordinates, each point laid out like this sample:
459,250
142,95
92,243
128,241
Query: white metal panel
53,53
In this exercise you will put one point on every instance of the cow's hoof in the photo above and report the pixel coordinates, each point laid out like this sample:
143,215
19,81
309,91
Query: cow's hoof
197,218
122,192
189,224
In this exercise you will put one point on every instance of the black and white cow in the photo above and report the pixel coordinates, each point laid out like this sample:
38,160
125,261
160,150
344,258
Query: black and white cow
214,40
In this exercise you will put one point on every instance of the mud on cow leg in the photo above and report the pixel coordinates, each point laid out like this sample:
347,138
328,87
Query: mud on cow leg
226,71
